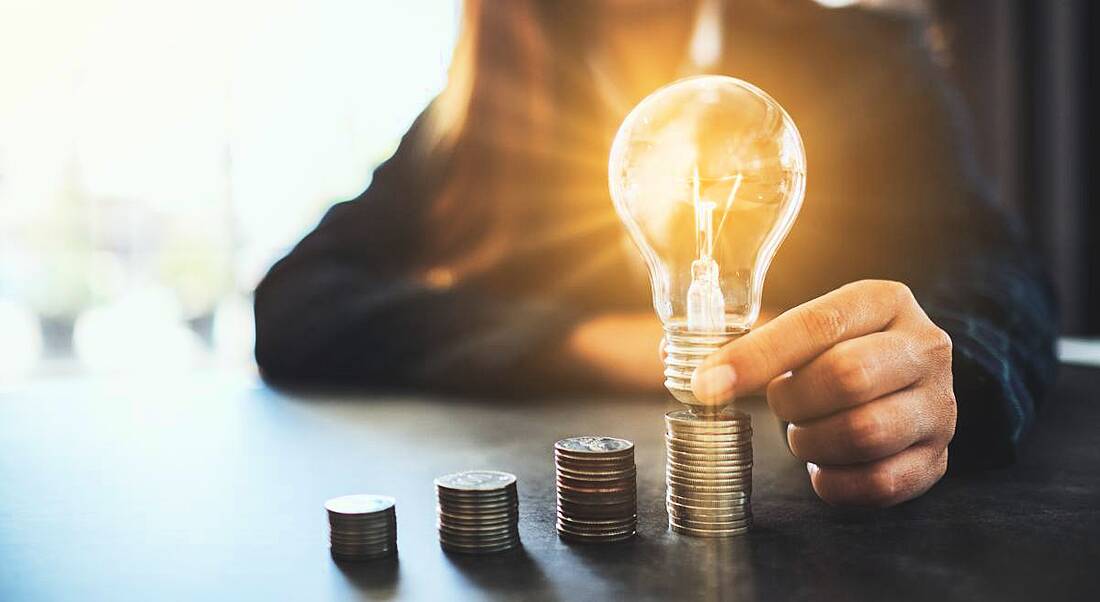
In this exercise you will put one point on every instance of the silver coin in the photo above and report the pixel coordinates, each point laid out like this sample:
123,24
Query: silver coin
703,523
723,443
362,550
709,515
354,538
727,444
596,484
710,534
359,504
598,477
579,462
729,501
673,477
726,416
589,539
610,487
708,471
508,493
476,506
476,480
596,501
708,457
596,511
581,524
494,519
461,549
596,532
594,445
683,490
488,541
476,537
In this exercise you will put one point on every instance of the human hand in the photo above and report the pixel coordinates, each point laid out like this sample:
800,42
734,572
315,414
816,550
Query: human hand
864,378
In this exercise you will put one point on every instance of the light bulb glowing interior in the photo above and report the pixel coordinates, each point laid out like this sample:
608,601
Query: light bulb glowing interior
708,175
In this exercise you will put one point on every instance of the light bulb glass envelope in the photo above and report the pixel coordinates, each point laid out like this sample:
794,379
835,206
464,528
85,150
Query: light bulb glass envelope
708,175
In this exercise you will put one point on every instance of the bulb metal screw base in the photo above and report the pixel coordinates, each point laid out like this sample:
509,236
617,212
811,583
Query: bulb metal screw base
684,352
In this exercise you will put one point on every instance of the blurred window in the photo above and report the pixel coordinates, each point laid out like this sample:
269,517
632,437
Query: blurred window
156,157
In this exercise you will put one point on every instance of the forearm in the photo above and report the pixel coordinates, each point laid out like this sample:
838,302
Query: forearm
1002,320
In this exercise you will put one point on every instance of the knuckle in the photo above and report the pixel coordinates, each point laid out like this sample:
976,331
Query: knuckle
883,487
850,375
867,436
824,324
940,342
898,291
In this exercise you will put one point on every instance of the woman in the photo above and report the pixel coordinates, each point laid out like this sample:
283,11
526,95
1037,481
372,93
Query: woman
486,255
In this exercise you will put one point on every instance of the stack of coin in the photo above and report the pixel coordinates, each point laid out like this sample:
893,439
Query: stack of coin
362,526
709,472
597,489
478,511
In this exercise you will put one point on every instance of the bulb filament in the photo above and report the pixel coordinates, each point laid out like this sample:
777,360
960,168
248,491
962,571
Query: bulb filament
706,308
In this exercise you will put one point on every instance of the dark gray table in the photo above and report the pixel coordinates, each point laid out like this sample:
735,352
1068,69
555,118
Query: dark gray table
211,488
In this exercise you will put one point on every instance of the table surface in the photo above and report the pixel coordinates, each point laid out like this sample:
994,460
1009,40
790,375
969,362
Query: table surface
211,487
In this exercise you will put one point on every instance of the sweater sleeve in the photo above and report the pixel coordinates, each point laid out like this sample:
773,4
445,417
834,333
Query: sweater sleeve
345,307
971,269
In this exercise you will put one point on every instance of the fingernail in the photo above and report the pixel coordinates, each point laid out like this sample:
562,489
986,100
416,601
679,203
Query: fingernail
714,384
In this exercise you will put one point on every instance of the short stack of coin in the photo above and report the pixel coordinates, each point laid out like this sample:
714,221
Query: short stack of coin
709,472
362,526
597,489
478,511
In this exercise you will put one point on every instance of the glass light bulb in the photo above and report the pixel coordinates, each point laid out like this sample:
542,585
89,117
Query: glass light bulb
708,175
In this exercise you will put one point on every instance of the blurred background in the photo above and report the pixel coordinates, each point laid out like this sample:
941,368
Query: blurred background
156,157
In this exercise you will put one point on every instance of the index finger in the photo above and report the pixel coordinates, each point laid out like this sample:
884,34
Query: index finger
797,336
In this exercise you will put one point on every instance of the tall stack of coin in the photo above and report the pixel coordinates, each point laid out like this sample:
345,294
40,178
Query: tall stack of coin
478,511
362,526
709,472
597,489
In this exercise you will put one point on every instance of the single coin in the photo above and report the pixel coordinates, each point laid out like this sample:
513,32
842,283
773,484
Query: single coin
702,523
593,462
696,498
470,537
732,446
372,539
479,543
581,526
479,549
591,488
357,556
597,510
477,497
596,483
595,537
736,500
588,539
671,477
496,519
476,480
709,534
725,416
709,514
359,504
490,506
362,553
597,477
708,471
707,429
594,445
580,498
